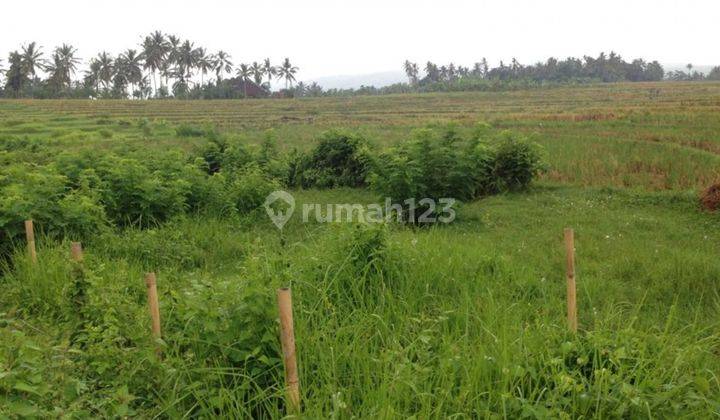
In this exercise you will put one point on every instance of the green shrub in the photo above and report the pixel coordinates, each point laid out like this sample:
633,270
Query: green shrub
43,196
105,133
516,162
135,195
190,130
213,156
228,327
427,167
249,189
340,159
367,247
438,165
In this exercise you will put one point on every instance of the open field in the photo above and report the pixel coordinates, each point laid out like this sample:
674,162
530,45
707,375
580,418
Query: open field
464,321
656,136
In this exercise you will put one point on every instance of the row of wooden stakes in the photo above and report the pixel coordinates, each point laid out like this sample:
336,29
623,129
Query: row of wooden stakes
287,332
284,298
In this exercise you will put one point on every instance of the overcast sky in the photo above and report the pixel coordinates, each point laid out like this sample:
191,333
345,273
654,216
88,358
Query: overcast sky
354,37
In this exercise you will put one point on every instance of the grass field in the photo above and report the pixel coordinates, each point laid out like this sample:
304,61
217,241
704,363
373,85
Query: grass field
462,321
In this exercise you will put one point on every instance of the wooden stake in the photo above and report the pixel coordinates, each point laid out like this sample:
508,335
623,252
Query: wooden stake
30,235
151,283
76,252
571,293
287,338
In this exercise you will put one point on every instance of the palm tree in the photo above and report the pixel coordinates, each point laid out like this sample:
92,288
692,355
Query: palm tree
132,68
204,63
411,70
172,49
222,64
120,77
15,76
314,89
300,89
269,69
32,59
186,61
63,66
287,71
244,73
92,75
106,71
257,71
431,69
154,51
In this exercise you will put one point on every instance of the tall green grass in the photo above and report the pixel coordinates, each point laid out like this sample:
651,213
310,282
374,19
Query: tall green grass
465,320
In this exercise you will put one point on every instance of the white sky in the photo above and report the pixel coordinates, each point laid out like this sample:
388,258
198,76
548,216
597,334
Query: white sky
354,37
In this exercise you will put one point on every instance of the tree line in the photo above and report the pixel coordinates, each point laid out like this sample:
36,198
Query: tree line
161,66
432,77
165,66
604,68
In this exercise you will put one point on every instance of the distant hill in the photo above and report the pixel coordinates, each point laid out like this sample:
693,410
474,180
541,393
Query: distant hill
379,79
702,68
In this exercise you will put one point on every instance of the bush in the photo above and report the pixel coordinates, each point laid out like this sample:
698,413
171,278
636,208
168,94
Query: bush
105,133
516,162
340,159
427,166
134,195
710,198
189,130
250,188
229,324
437,165
43,196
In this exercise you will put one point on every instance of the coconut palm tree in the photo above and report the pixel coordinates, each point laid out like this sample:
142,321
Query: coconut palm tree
244,73
204,63
411,70
258,72
186,60
106,71
132,68
222,64
63,66
300,89
92,75
32,59
172,49
269,69
154,50
314,89
287,71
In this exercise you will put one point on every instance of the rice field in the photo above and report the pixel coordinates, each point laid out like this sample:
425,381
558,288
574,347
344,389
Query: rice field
460,321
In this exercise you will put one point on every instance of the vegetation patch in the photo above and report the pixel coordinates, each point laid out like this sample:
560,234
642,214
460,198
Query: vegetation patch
710,198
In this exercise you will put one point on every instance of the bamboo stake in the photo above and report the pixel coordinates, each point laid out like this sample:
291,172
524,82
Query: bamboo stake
30,235
151,283
571,292
76,252
287,338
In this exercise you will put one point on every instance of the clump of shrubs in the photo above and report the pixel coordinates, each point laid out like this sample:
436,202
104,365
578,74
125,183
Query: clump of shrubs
340,159
710,198
441,164
77,194
190,130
